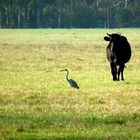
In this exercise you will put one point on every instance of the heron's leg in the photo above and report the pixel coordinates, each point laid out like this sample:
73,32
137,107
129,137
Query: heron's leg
113,71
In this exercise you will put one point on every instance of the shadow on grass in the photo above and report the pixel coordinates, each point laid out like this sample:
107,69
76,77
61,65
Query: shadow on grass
109,137
70,127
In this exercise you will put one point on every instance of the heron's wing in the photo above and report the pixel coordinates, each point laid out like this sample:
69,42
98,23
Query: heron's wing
73,83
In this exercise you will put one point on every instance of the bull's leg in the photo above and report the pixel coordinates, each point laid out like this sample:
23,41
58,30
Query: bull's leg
114,71
120,71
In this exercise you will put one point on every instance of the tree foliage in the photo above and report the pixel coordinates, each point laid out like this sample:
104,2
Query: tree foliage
69,13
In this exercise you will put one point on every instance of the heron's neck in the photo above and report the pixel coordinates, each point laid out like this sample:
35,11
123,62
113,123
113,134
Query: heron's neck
67,75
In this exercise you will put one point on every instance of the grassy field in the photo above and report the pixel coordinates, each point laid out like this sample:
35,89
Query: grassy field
36,101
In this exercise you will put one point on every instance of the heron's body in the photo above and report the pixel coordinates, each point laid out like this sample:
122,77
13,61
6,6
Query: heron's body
71,81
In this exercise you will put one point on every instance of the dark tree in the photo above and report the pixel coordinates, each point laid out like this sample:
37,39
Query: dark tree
69,13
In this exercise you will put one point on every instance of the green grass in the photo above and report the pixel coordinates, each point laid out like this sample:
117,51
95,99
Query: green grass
36,101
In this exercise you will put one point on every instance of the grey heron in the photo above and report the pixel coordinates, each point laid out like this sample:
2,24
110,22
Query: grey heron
71,81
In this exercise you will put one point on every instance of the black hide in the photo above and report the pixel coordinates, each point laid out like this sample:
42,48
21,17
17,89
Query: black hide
118,53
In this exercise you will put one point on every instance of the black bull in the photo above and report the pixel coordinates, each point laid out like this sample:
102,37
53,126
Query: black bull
118,53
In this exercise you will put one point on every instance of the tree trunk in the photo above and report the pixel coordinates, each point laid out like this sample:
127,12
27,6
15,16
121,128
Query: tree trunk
0,19
108,18
72,14
126,3
59,13
19,17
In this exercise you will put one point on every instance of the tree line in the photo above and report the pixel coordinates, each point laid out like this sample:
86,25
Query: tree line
69,13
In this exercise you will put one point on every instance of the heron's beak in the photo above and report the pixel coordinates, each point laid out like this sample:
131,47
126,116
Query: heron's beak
62,70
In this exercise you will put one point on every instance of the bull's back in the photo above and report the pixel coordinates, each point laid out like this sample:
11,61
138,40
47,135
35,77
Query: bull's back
119,52
125,52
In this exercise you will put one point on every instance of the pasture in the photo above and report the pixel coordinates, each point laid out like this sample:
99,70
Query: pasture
36,101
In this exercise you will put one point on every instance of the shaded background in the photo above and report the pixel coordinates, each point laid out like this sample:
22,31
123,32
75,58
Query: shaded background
69,13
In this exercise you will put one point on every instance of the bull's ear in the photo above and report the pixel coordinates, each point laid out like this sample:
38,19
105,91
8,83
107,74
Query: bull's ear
106,38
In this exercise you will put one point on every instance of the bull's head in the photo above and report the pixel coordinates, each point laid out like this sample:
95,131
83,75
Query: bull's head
112,37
